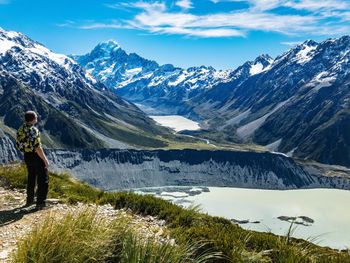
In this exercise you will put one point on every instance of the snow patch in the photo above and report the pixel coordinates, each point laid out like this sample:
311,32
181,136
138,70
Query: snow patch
155,81
12,34
222,75
133,71
132,80
58,58
90,77
104,73
256,69
323,81
6,45
305,54
180,79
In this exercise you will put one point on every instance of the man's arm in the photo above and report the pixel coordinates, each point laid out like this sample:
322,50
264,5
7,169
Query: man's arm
42,155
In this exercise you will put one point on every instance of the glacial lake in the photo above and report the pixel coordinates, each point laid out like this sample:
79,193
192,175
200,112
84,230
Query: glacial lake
176,122
321,215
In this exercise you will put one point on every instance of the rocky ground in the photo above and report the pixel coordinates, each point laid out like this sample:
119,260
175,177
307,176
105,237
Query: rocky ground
16,222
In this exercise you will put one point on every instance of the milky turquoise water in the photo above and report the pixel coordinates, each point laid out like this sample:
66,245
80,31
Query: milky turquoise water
329,208
176,122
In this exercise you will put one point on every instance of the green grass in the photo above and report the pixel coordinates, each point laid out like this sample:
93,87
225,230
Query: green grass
62,186
86,237
83,238
214,233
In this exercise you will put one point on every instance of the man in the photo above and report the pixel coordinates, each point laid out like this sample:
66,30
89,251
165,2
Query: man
28,142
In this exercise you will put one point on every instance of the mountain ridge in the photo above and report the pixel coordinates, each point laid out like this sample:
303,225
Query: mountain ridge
145,81
277,103
89,113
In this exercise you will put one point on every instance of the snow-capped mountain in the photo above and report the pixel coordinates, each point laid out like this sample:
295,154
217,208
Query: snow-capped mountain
217,96
295,103
39,66
109,63
75,110
163,88
298,105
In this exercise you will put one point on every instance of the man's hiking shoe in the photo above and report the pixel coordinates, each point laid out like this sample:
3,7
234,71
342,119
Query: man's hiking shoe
40,206
28,204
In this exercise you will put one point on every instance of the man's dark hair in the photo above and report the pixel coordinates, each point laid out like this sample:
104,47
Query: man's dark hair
30,116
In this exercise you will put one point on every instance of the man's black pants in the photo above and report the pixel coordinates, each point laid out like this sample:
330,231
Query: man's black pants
36,172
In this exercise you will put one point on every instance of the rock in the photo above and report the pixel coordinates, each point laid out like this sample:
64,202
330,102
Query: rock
236,221
287,218
307,219
4,254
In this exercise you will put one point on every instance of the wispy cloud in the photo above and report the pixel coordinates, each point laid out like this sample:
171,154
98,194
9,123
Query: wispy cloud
4,2
185,4
102,25
257,4
67,23
322,17
317,5
291,43
310,5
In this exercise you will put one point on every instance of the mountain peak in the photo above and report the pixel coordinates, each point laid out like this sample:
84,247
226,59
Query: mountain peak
9,34
108,46
110,43
265,59
259,64
310,43
11,40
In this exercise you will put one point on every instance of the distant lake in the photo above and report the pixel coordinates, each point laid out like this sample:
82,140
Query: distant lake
321,214
176,122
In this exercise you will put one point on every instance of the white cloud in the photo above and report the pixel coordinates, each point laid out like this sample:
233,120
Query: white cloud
316,5
154,6
102,25
4,2
67,23
291,43
208,33
257,4
310,5
323,18
185,4
222,24
249,20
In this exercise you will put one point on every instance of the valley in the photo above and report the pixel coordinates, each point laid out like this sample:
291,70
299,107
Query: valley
292,103
120,122
175,131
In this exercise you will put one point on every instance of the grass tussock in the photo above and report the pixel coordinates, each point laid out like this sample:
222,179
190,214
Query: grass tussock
86,237
80,238
215,234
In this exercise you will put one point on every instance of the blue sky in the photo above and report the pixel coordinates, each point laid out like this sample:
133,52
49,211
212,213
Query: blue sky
220,33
